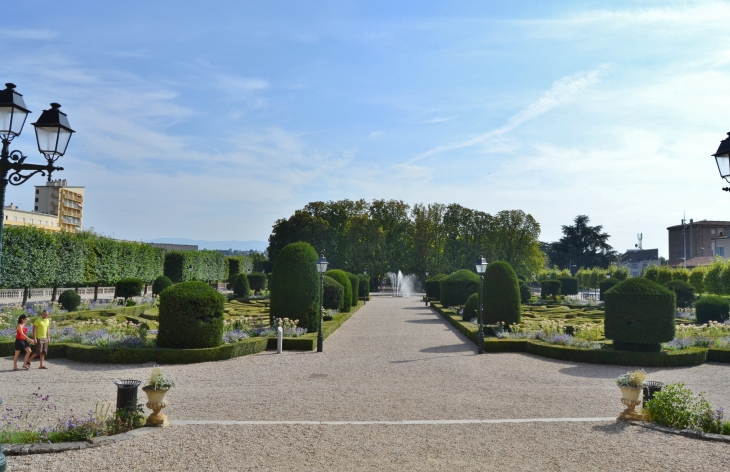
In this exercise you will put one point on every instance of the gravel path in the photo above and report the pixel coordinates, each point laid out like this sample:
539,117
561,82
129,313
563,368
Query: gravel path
393,360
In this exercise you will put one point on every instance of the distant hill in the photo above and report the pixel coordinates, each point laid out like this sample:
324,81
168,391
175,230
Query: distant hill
239,245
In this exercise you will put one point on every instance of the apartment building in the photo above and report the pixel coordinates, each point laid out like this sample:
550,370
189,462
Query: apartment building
16,217
65,202
696,240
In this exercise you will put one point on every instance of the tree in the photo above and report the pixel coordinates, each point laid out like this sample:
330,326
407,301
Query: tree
581,245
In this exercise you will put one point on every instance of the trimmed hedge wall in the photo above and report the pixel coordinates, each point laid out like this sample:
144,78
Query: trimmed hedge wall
257,281
433,286
343,279
355,286
191,316
712,308
501,294
208,266
457,287
568,285
295,286
333,293
684,292
549,288
606,285
639,312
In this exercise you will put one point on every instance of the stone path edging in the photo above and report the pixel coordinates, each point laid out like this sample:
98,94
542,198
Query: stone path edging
386,422
689,433
45,448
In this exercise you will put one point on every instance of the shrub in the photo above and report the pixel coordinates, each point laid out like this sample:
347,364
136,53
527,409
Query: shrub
210,266
235,267
257,281
355,284
639,315
471,307
129,287
664,275
677,407
160,284
364,287
341,277
501,294
457,287
550,288
712,308
240,285
697,279
685,292
373,285
294,286
191,316
568,285
522,277
69,300
607,284
525,293
332,295
433,286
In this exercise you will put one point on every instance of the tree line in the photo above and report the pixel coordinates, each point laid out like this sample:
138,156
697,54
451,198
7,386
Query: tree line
390,235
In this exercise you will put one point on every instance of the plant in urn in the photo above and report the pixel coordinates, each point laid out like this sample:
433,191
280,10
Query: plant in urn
156,389
631,384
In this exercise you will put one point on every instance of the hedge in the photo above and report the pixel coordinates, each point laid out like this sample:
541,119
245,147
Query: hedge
191,316
69,300
525,293
364,287
355,287
240,285
129,287
257,281
606,285
550,288
639,313
332,294
568,285
433,286
712,308
343,279
501,294
235,267
295,286
208,266
471,307
457,287
684,292
160,284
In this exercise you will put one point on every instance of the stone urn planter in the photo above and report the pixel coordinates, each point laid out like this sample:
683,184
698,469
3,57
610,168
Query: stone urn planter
630,384
156,402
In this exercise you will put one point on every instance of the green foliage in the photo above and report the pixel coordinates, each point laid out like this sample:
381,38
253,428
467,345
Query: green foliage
568,285
619,272
235,267
697,278
522,277
240,285
639,311
501,294
525,293
680,273
191,316
129,287
207,266
364,287
342,278
581,245
71,254
712,308
29,257
433,286
294,286
677,407
355,287
457,287
664,275
713,278
333,294
471,307
606,285
69,300
550,288
160,284
257,281
685,292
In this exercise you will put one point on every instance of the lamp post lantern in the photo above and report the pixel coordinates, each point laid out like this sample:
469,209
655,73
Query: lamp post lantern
722,158
424,283
481,265
365,289
321,268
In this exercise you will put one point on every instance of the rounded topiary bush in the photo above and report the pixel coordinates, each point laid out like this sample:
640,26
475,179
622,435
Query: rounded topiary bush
69,300
333,293
129,287
501,294
294,286
522,278
712,308
364,287
433,286
685,292
568,285
457,287
550,288
160,284
471,307
341,277
355,285
525,293
191,316
606,285
257,281
240,285
639,315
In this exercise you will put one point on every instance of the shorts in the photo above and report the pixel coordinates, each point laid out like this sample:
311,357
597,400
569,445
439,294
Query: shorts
21,344
41,347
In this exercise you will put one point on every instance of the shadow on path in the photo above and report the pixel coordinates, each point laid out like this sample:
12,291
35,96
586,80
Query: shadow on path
430,321
447,348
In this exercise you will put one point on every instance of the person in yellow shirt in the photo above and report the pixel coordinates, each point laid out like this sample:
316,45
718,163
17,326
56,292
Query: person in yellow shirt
41,337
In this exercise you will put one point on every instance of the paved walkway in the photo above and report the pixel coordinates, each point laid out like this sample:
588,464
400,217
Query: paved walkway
397,388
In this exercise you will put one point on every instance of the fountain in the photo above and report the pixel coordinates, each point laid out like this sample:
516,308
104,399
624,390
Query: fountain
402,285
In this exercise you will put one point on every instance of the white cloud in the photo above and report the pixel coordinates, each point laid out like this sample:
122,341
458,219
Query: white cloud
377,134
27,33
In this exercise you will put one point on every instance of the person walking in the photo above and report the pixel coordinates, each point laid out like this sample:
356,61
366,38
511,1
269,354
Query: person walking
41,336
22,343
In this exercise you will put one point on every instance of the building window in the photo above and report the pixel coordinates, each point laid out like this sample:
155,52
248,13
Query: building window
15,218
23,220
721,251
37,191
36,200
36,208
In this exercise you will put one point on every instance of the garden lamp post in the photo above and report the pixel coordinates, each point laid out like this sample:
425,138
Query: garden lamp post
424,283
52,133
365,289
481,268
321,268
722,157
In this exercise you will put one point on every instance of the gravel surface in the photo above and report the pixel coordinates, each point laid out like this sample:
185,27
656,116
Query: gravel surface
393,360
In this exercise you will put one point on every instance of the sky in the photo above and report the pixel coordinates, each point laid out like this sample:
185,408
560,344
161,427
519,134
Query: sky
211,120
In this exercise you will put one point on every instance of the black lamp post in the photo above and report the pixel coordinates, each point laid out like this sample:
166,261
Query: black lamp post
481,265
365,289
424,283
321,268
722,157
